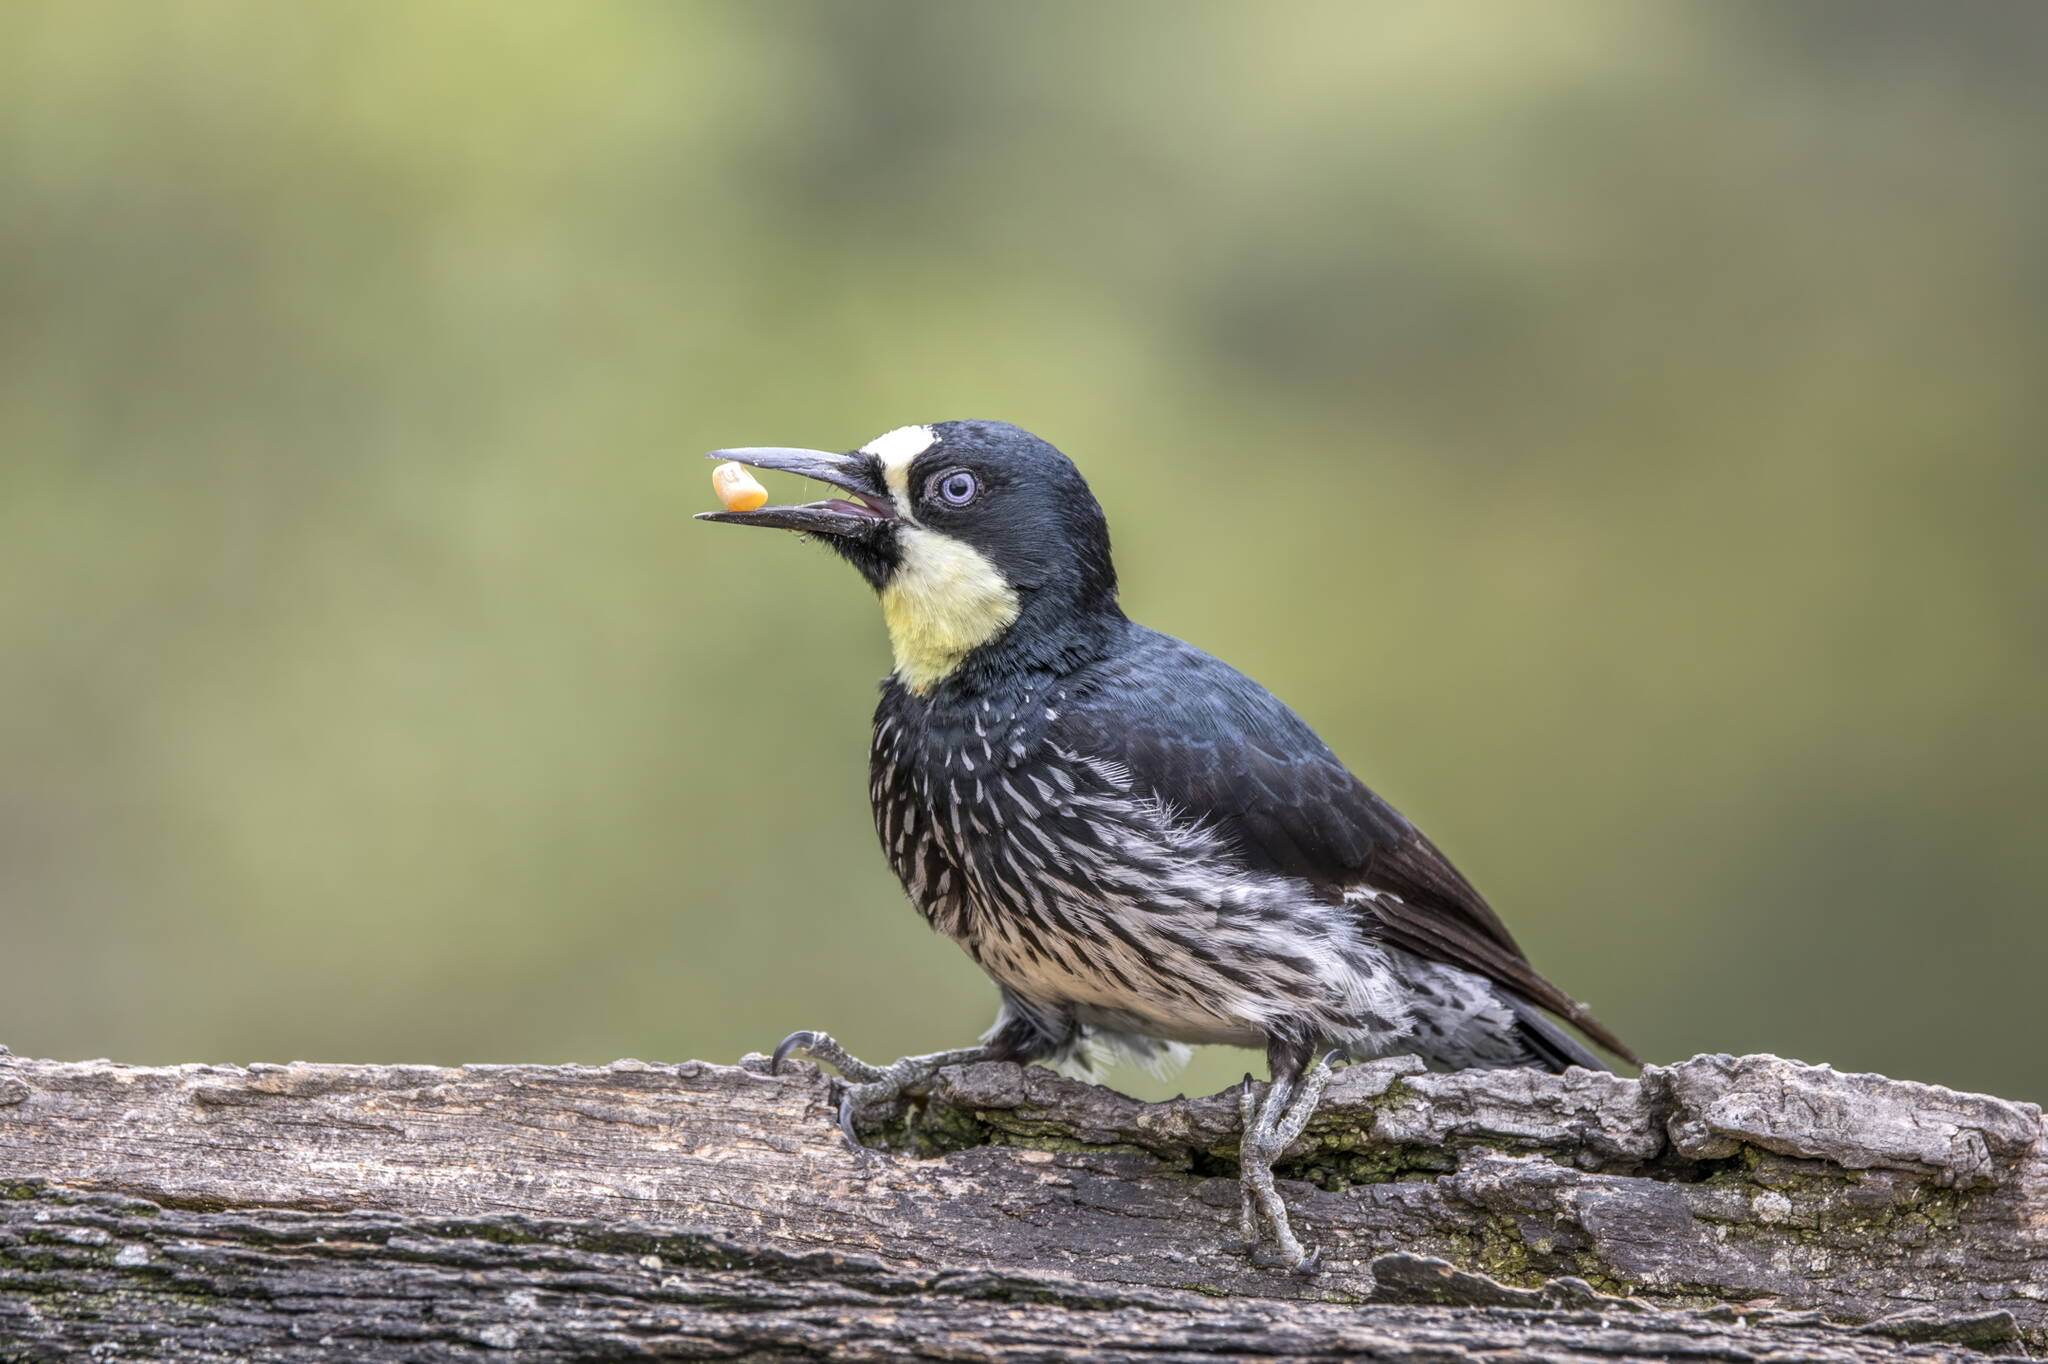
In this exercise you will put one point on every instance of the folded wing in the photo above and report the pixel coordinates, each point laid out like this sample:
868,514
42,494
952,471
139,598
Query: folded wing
1226,752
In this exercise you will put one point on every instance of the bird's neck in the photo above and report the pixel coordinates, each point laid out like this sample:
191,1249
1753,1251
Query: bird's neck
943,601
1051,636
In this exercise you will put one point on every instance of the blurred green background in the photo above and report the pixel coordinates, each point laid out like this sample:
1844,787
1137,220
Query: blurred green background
1618,427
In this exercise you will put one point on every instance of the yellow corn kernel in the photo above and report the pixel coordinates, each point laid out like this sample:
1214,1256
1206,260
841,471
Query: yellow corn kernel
737,488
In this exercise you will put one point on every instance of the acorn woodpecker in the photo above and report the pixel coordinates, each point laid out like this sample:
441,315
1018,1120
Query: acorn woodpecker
1141,846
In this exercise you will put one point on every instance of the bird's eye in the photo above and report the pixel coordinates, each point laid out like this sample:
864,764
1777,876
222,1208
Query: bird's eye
956,488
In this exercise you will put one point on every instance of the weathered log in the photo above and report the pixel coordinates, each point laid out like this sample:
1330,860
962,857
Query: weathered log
1733,1208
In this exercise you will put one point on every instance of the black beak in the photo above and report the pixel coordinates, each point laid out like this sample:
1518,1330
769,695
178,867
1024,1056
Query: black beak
868,511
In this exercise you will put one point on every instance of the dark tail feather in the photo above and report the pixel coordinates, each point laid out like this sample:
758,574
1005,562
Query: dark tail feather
1554,1048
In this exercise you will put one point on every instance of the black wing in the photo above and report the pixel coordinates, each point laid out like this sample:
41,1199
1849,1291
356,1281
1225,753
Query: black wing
1224,750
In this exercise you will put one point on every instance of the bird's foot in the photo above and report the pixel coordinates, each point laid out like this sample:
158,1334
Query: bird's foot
1270,1127
869,1090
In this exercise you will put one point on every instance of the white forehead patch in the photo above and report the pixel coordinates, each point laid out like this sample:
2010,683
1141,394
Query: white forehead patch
902,445
896,449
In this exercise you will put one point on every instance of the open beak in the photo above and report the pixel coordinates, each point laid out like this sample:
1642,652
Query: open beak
868,510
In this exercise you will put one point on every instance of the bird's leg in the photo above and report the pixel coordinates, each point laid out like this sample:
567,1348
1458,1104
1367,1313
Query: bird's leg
871,1089
1248,1208
1270,1127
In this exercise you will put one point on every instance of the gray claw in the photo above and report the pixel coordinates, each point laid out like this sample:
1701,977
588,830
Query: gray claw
846,1120
796,1041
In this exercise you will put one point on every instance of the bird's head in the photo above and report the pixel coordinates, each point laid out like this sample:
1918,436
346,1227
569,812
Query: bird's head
982,541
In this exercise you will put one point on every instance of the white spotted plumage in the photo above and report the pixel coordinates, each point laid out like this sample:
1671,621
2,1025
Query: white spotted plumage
1101,906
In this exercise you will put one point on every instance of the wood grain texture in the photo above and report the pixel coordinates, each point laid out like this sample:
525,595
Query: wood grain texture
709,1211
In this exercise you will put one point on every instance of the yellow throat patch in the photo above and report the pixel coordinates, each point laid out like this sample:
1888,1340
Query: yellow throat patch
944,600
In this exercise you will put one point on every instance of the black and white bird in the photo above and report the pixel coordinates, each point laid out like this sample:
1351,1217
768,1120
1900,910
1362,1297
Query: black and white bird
1138,843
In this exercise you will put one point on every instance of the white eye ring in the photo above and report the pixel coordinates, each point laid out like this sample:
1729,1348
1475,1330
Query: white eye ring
954,488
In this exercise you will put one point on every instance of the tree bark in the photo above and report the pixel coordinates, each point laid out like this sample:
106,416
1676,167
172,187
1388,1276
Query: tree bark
1733,1208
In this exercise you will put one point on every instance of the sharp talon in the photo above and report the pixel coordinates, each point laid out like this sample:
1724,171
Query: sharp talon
796,1041
1311,1264
1330,1058
846,1121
